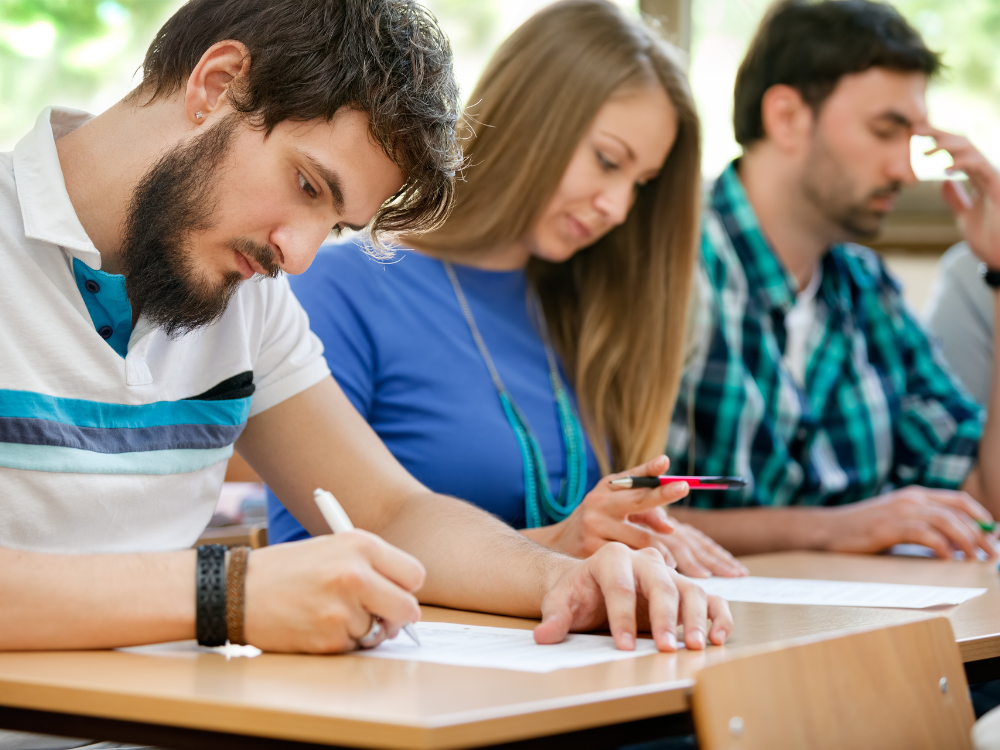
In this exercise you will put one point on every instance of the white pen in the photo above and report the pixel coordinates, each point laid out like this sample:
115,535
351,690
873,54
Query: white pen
336,518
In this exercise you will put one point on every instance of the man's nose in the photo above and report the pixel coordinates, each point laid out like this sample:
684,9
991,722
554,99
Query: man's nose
901,166
297,245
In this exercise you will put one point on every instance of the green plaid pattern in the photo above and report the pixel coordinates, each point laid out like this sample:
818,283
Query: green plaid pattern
879,408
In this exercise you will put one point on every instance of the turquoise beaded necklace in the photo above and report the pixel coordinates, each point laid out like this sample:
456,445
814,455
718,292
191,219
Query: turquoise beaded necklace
541,508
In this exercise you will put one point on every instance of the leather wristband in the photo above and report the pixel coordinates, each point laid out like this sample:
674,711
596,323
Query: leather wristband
210,602
990,275
235,587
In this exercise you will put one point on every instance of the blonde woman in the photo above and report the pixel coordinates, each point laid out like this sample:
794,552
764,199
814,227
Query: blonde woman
535,342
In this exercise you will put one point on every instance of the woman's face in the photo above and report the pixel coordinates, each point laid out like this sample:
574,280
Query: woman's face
625,147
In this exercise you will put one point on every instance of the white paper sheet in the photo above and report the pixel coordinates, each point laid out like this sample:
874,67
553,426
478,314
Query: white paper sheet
502,648
834,593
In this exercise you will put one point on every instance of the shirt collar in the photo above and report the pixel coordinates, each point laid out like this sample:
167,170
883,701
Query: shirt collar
765,274
46,209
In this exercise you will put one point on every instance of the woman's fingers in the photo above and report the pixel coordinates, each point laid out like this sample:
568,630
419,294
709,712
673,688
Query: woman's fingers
693,614
618,582
687,561
652,468
722,620
656,519
662,600
624,503
630,534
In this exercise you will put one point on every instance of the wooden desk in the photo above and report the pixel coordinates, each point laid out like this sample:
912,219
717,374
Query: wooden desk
201,700
343,700
976,623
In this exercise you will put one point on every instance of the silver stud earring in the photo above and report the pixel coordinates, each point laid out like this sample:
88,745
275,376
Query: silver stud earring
198,115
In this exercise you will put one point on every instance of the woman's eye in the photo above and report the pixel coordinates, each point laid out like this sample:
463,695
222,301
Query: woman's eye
307,187
605,162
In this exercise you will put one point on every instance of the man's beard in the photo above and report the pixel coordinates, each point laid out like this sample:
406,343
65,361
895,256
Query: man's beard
173,201
829,188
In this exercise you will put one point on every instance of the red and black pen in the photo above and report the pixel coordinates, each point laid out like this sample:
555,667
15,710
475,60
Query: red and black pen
695,483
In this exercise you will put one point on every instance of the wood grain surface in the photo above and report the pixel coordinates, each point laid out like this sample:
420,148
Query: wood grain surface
895,688
388,704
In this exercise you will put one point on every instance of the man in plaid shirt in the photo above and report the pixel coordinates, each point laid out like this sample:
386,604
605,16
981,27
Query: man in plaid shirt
810,377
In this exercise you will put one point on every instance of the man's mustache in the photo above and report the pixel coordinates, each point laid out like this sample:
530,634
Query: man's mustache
260,253
889,191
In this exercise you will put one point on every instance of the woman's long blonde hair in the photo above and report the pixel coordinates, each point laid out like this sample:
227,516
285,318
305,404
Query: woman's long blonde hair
616,310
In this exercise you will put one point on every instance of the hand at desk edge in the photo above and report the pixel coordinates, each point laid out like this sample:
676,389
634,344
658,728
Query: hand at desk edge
624,589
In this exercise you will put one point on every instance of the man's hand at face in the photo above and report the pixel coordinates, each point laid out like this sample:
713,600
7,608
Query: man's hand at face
614,584
943,520
319,596
978,214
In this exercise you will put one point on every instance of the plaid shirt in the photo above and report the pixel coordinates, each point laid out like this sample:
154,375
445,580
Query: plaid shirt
879,408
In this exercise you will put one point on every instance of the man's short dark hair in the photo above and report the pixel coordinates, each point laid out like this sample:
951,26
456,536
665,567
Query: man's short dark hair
308,58
811,45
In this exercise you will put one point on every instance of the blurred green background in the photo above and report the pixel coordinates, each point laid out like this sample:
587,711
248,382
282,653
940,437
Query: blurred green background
85,53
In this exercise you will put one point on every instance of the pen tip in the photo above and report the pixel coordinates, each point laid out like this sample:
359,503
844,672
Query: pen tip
412,632
623,482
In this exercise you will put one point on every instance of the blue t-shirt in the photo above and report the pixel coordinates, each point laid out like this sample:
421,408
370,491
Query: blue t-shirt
398,344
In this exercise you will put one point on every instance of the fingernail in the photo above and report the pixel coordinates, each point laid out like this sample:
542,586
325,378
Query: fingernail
698,637
671,641
626,641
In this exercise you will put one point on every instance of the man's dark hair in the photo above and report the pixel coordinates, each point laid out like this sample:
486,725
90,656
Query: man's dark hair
811,45
308,58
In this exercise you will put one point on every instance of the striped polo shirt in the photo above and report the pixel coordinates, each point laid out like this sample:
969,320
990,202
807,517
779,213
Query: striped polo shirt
115,439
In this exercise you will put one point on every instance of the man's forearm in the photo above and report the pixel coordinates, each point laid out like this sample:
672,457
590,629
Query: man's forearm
750,531
95,601
473,560
984,481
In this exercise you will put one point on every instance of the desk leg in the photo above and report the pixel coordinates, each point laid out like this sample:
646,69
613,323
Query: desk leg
982,670
177,738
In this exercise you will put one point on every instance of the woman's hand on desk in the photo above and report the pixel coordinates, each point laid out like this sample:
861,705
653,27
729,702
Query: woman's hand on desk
637,519
611,586
319,595
697,555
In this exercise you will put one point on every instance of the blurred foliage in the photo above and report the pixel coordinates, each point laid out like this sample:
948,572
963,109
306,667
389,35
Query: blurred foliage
471,24
70,52
84,53
967,34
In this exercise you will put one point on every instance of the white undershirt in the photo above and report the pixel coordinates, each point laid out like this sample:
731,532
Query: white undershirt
797,323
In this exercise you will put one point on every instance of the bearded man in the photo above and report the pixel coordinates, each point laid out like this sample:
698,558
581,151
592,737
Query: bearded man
135,353
810,377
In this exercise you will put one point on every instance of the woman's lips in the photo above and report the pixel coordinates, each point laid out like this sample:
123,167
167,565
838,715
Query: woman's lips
578,228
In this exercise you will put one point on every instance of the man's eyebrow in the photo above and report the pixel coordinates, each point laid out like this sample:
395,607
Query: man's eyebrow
897,117
331,179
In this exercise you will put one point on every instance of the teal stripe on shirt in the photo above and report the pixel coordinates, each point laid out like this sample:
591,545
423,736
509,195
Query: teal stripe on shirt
30,405
74,461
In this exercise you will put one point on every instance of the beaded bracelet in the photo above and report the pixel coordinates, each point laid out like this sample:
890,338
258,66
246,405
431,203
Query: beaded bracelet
235,587
210,603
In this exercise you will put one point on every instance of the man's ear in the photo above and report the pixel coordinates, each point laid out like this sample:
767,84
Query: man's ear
786,117
211,77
